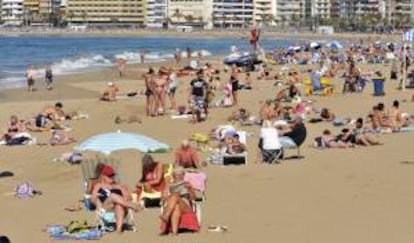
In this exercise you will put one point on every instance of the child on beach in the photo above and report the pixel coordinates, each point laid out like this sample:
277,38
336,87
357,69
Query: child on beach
30,76
48,77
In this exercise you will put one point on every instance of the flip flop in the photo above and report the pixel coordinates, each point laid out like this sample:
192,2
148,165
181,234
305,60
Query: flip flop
217,228
6,174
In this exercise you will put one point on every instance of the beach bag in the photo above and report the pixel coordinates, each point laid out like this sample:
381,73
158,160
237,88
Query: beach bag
24,190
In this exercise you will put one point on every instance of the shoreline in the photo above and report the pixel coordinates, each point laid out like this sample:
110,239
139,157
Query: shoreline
196,34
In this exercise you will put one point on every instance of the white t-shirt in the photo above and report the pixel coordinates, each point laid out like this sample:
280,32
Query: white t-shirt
270,138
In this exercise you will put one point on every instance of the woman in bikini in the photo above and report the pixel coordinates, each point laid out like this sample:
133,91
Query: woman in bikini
330,141
177,200
152,179
108,194
14,126
394,116
149,91
160,90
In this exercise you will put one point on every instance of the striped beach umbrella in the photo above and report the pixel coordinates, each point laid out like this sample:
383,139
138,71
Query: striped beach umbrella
408,36
109,142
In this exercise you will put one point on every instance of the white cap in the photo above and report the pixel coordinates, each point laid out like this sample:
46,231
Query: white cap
110,84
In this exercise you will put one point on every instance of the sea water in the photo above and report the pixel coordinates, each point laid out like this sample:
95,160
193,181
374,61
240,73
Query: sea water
80,54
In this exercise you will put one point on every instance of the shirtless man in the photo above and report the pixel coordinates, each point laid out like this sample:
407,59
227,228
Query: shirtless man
110,92
266,111
160,89
121,63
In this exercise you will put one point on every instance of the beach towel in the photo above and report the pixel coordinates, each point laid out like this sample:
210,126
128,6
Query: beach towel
75,230
188,221
197,180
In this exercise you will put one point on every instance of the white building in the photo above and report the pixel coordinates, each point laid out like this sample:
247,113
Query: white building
156,13
265,11
190,12
321,9
232,13
12,12
399,10
290,11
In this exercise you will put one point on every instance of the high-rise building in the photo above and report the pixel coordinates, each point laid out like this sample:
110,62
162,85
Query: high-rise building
12,12
399,11
98,12
190,12
234,13
290,11
156,13
265,11
321,9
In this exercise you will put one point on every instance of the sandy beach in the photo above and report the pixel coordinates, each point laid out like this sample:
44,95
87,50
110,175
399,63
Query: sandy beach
350,195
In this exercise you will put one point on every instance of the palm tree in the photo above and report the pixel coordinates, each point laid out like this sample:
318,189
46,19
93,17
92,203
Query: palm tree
189,19
177,14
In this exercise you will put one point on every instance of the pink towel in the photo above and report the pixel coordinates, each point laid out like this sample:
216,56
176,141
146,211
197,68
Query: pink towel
197,180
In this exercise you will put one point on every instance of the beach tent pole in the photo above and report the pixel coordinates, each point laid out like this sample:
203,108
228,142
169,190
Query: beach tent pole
404,77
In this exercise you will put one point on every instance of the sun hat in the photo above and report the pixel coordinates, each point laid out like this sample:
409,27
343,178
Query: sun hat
108,171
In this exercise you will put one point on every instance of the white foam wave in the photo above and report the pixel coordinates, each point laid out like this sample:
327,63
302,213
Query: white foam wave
134,57
204,53
73,65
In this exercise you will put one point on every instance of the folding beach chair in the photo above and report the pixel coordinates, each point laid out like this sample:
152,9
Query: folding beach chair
153,199
198,182
105,219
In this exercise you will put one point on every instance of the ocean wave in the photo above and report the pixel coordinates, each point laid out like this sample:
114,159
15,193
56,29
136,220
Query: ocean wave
16,78
135,57
73,65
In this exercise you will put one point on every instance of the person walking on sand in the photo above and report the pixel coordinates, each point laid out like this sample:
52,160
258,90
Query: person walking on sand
177,57
30,76
188,53
48,77
254,37
121,63
149,92
142,56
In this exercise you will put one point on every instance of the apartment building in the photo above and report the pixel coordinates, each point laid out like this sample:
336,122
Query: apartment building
12,12
190,12
265,11
156,13
97,12
321,9
290,11
399,10
236,13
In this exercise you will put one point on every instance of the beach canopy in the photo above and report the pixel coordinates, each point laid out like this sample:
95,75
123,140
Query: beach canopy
314,45
294,48
109,142
334,45
408,36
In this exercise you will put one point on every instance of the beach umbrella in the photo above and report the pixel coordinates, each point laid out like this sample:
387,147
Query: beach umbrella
294,49
314,45
406,37
108,142
334,45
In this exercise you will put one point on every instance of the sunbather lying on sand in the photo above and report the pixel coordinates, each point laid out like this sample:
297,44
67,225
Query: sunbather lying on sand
59,138
328,140
130,119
